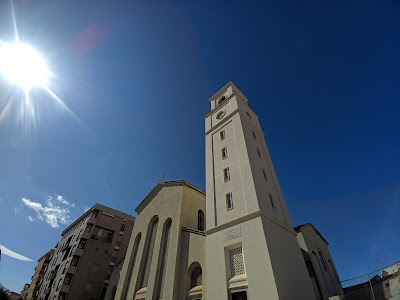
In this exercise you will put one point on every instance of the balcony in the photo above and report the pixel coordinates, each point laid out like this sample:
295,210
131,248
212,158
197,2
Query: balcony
79,252
65,288
92,220
85,235
72,269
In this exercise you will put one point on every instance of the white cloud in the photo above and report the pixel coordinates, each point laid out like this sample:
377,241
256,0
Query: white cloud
13,254
64,201
53,212
86,208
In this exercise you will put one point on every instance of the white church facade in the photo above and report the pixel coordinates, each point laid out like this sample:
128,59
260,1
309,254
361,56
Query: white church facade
235,241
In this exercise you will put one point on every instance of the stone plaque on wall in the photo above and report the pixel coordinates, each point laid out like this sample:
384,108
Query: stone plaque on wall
232,233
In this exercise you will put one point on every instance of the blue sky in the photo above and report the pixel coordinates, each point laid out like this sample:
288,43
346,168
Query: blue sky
323,78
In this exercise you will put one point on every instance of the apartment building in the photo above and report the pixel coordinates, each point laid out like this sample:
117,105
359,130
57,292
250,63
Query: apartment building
85,256
37,277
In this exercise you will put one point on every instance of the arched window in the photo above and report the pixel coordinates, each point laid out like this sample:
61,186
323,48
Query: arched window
132,263
320,268
148,252
164,258
196,277
200,220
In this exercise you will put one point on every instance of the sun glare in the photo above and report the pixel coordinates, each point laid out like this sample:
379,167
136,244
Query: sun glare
23,65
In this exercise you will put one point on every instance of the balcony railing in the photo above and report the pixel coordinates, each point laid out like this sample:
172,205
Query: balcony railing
65,288
100,238
79,252
85,235
72,269
92,220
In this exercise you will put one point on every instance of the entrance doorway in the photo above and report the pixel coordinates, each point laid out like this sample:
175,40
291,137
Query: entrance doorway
239,295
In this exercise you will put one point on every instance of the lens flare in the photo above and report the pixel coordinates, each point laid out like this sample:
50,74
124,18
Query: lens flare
23,66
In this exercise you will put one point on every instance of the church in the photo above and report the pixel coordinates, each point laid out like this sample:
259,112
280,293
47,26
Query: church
233,242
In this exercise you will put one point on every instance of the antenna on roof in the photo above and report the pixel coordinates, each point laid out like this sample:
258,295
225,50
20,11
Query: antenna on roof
162,178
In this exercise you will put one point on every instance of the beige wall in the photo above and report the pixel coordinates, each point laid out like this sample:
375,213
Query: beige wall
274,268
180,203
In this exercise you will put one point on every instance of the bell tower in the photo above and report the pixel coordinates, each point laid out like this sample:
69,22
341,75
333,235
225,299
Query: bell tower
251,247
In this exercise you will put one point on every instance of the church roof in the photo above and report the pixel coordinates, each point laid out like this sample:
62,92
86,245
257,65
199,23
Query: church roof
161,185
298,229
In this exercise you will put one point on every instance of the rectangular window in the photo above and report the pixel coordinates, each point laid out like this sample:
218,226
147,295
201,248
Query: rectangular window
222,135
229,201
254,135
272,201
224,153
265,175
259,153
227,176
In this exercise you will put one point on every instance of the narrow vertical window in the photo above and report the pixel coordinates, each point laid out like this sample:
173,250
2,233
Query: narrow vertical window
254,135
148,253
200,220
272,201
132,263
164,259
224,153
227,176
321,256
229,201
222,135
123,227
259,153
265,175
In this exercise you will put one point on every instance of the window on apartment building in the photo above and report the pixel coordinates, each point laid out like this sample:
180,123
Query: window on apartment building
222,135
227,175
265,175
224,153
272,201
81,244
123,227
75,261
229,201
254,135
109,237
259,153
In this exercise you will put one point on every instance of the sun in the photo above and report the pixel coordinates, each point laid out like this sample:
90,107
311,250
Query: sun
23,65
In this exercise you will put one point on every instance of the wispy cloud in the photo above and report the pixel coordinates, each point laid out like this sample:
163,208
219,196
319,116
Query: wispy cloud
64,201
86,208
10,253
54,211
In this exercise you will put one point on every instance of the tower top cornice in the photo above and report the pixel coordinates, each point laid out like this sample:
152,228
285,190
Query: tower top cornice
225,88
